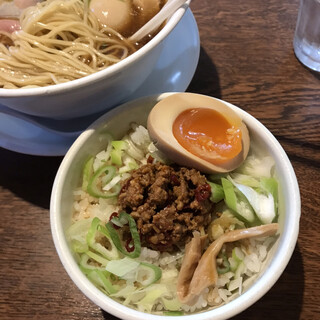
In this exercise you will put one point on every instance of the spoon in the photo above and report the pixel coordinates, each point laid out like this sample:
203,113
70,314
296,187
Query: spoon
167,10
68,128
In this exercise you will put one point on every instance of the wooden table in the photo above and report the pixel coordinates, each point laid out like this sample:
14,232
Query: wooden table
247,59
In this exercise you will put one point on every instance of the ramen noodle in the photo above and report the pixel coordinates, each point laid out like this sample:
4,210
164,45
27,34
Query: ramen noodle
56,41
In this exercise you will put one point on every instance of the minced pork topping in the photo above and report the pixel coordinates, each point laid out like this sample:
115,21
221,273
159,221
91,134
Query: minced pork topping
168,203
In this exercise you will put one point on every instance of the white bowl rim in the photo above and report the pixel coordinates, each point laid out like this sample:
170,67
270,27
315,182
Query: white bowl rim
99,75
248,298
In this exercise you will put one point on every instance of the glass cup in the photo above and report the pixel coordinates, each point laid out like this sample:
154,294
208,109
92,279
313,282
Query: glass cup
306,41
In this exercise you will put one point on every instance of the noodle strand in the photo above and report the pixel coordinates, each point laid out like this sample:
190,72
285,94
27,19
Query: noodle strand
60,40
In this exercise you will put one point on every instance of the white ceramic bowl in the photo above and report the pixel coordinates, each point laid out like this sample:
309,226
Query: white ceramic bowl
94,93
117,122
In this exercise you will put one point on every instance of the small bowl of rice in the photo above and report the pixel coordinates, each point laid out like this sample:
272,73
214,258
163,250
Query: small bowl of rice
145,238
64,59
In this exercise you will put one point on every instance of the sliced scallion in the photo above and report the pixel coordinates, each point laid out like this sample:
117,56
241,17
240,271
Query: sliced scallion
217,193
95,187
85,266
97,258
271,185
87,173
117,150
96,227
148,273
262,203
237,254
134,234
101,280
238,203
226,266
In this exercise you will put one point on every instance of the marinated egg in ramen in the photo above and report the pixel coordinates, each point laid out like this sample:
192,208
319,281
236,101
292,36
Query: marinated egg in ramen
199,132
125,16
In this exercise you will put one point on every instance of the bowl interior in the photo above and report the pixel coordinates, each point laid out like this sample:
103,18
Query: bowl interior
117,122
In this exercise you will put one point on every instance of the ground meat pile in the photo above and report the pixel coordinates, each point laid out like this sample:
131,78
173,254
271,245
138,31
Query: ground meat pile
168,204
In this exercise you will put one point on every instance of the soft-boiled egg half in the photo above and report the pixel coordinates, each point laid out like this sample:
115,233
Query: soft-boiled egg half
198,131
124,16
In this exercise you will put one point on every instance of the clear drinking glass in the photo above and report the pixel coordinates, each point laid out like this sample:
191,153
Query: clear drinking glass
306,41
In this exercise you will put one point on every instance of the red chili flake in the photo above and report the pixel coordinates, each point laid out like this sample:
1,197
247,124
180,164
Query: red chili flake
150,159
113,215
203,192
125,187
174,180
129,245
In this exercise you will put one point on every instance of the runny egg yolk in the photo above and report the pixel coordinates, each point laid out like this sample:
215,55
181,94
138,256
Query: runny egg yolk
208,134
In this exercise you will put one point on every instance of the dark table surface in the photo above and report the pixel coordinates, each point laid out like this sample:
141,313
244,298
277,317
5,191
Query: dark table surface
247,59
